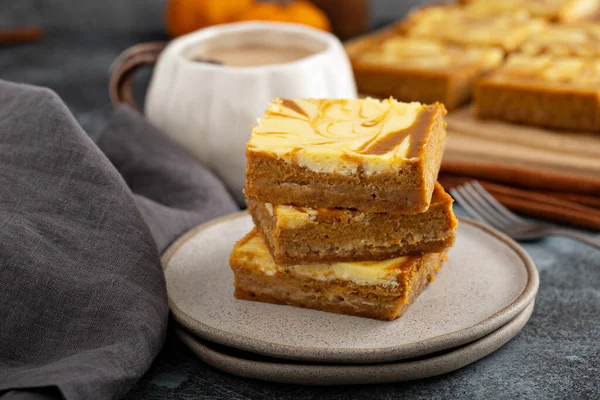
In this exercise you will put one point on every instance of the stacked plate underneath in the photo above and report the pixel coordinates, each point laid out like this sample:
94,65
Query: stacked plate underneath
482,298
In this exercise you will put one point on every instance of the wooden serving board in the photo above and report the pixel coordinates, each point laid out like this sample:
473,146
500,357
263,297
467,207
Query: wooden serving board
489,141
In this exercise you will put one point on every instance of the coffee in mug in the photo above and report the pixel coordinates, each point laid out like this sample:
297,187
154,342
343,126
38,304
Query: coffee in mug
253,55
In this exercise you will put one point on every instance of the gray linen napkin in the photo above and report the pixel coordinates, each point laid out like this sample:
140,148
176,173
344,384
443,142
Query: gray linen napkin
83,307
173,191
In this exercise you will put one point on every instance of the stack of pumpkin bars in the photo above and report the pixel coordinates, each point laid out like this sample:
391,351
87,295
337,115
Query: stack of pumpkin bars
349,216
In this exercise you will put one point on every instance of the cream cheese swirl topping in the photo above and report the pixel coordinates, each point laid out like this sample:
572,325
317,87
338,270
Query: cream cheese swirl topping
551,9
565,40
560,70
341,136
460,25
417,53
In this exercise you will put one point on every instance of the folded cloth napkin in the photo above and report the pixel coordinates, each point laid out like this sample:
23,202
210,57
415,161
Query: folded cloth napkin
172,190
83,307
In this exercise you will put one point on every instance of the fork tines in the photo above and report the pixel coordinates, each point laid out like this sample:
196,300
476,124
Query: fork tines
481,204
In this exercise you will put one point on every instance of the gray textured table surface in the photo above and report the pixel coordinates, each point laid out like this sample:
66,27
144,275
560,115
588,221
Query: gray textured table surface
556,355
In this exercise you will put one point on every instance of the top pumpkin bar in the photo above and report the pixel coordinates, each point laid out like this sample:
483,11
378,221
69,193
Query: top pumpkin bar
374,156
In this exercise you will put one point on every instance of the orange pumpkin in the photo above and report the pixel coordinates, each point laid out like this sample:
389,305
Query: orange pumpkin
262,12
184,16
303,12
300,12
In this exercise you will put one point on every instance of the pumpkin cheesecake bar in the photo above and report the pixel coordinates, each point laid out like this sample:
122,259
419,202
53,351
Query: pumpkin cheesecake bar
577,39
543,90
297,235
375,156
418,69
381,289
553,10
460,25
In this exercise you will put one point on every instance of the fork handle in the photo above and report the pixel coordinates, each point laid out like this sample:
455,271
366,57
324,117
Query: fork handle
582,237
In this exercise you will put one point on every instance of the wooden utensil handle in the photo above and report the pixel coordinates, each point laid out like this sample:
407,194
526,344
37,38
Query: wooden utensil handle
124,67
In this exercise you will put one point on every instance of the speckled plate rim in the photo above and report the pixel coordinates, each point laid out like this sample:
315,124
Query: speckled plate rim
307,374
365,355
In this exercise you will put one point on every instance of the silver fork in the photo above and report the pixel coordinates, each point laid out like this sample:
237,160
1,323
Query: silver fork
479,203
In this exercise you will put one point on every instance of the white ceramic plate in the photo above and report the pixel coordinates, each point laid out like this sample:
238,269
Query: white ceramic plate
487,281
249,365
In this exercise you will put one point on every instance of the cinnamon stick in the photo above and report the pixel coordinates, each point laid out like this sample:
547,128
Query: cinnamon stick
577,198
542,198
550,212
527,178
546,206
20,35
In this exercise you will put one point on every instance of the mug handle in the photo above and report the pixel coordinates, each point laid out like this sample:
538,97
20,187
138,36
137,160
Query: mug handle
124,67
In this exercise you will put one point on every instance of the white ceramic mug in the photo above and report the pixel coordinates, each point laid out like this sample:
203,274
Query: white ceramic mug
209,109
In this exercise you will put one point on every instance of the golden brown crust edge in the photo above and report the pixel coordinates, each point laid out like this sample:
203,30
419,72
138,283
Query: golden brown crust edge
453,88
539,105
275,181
371,254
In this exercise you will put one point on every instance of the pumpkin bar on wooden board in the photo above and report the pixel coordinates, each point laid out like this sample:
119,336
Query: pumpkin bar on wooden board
417,69
375,156
553,10
580,39
544,90
381,289
297,235
457,24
